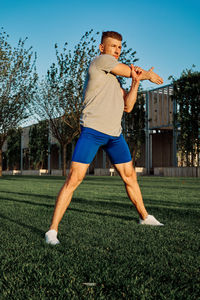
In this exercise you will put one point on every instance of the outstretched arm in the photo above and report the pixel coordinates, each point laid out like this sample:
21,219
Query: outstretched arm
152,76
126,71
131,96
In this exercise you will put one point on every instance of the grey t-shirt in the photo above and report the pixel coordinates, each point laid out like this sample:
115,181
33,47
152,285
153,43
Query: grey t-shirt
103,104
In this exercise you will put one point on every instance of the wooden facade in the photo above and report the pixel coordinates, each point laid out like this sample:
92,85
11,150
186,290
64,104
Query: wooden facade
160,112
159,129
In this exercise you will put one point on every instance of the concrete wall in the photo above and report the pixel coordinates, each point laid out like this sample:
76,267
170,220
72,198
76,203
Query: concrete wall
26,172
171,172
113,172
178,172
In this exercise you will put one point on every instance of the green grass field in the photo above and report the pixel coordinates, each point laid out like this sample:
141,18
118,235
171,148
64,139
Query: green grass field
101,241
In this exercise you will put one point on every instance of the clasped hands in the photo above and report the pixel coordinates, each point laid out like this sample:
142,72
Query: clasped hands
138,74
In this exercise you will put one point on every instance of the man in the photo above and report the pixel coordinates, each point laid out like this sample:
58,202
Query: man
103,106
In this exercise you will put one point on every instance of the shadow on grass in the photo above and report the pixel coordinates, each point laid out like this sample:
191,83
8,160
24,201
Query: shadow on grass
104,202
127,205
28,202
167,188
26,194
172,204
41,232
127,218
98,204
92,212
32,228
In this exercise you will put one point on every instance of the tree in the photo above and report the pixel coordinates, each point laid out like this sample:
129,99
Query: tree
187,119
13,152
59,97
134,124
17,80
38,144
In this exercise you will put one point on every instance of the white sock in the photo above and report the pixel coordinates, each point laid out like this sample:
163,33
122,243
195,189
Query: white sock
52,232
51,237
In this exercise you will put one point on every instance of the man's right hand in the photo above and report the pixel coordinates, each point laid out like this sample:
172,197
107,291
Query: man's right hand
153,77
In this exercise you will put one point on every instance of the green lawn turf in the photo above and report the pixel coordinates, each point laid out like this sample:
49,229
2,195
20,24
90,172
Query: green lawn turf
101,241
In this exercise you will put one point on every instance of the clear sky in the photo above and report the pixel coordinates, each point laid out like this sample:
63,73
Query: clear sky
165,34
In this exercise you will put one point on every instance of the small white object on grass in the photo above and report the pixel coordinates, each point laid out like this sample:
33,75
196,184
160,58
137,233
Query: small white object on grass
90,284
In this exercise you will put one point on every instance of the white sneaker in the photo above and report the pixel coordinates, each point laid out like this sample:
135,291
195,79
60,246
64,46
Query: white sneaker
150,220
51,237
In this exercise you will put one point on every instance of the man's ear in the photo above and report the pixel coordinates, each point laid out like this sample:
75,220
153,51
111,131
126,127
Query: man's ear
101,48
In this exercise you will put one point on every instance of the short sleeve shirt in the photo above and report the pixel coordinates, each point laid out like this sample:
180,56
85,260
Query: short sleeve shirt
103,104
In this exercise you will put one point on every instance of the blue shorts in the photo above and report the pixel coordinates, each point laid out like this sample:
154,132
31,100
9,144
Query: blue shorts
89,142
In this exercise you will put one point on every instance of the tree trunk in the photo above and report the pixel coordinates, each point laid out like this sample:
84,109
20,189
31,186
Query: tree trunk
134,154
182,158
187,159
64,160
1,163
193,157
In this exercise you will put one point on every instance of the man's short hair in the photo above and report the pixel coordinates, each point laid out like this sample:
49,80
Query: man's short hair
111,34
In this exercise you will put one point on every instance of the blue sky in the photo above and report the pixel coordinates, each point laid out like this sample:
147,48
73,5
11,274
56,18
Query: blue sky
165,34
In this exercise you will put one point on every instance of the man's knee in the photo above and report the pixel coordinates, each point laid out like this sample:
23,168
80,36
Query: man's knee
73,179
76,175
129,176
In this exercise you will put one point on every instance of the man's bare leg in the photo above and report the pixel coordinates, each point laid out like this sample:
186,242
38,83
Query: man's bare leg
75,177
128,175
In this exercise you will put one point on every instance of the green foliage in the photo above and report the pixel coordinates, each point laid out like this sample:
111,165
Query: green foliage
38,144
14,148
17,80
187,118
101,241
133,127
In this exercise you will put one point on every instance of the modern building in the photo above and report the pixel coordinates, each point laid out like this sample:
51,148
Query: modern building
160,137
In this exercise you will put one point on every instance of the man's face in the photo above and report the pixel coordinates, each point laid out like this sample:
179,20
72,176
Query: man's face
111,46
